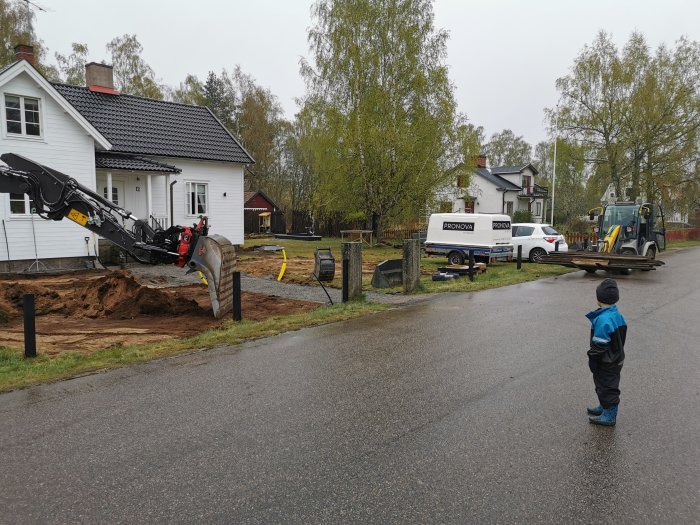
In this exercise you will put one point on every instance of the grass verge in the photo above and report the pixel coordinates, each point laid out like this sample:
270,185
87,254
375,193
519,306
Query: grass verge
17,372
677,245
497,275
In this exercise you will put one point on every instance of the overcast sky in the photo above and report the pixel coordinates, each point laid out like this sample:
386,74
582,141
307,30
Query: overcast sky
504,55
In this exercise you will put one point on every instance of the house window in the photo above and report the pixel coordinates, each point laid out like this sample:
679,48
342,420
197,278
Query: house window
22,116
115,195
538,209
462,181
527,184
196,198
509,208
20,204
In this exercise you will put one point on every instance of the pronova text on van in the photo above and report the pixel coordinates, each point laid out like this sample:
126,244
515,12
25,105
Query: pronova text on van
454,235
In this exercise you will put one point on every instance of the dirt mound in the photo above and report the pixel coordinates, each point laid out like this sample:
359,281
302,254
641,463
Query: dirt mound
120,296
12,298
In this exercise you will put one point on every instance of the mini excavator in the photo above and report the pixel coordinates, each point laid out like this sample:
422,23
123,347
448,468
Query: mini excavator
56,196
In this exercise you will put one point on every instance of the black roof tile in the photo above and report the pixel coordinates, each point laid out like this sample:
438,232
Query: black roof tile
154,127
122,161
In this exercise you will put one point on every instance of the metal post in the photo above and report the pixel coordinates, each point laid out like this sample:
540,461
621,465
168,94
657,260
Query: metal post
29,326
471,265
237,315
520,257
36,262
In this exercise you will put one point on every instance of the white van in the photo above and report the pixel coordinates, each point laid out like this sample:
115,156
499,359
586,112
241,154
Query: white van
454,235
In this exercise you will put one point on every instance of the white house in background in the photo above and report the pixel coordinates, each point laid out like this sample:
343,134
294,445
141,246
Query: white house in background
499,189
165,162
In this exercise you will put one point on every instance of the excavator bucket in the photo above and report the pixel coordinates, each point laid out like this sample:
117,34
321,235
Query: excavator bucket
215,257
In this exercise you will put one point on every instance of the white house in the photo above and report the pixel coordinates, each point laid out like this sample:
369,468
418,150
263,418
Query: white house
499,189
165,162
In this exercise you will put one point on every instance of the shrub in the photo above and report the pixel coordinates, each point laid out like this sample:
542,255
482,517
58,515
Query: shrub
522,216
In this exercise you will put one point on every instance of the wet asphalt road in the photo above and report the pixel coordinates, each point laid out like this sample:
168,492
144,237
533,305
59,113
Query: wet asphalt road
469,408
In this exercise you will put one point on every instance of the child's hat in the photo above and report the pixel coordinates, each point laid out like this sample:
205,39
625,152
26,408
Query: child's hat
607,292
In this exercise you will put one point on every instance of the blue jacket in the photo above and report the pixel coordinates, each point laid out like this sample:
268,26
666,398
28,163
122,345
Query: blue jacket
608,333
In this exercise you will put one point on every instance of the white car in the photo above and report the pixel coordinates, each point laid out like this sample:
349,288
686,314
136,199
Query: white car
537,240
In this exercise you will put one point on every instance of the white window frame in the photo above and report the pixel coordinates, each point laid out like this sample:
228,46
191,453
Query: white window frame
191,186
23,118
110,198
538,209
27,206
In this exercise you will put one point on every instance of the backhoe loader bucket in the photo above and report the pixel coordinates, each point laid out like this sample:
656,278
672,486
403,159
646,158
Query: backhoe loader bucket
215,257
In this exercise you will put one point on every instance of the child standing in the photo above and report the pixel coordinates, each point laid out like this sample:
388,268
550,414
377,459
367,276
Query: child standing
607,353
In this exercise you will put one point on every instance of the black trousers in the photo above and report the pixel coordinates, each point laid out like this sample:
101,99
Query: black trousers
606,377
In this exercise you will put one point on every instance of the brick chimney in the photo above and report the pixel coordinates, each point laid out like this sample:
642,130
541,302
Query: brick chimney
481,161
100,78
24,52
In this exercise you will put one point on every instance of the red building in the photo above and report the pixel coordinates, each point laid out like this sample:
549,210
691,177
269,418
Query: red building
262,215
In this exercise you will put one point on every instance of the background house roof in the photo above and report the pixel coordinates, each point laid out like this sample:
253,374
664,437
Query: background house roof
502,170
540,191
123,161
154,127
250,195
499,182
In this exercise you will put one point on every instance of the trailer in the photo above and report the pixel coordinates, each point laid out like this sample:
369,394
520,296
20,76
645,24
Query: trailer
488,236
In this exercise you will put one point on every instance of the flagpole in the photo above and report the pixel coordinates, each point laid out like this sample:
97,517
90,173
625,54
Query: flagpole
554,178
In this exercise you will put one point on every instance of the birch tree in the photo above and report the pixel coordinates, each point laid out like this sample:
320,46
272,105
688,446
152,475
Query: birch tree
379,96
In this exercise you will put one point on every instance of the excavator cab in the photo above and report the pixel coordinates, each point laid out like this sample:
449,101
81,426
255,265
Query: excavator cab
632,229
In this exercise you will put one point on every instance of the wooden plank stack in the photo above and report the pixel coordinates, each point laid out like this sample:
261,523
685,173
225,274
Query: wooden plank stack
601,261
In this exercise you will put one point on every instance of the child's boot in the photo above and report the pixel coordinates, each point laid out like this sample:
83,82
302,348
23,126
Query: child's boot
594,411
607,418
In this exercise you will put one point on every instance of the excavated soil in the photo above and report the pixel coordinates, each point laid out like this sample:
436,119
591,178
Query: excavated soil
90,310
298,270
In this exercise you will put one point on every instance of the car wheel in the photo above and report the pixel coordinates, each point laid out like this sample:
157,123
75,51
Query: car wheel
536,254
455,258
591,270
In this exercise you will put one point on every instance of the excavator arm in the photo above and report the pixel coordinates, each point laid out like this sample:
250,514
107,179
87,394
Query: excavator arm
55,196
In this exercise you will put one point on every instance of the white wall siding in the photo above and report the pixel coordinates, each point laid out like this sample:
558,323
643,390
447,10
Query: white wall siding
64,146
225,213
489,199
